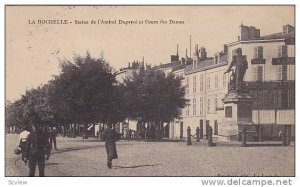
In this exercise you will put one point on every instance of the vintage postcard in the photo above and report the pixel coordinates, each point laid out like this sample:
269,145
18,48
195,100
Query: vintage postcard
159,90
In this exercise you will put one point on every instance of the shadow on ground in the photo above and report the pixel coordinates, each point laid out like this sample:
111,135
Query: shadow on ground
138,166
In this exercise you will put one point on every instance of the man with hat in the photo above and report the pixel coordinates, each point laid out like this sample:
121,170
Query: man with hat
37,146
110,137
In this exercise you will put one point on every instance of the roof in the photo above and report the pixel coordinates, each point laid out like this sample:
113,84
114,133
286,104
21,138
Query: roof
204,65
169,65
279,35
179,67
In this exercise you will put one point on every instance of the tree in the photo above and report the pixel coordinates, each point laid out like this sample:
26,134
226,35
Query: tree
32,107
85,92
152,96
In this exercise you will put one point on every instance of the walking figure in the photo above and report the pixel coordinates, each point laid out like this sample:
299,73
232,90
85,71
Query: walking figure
53,136
110,137
37,146
23,141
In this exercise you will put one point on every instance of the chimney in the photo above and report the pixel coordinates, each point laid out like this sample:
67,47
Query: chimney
252,32
203,53
225,49
257,33
287,29
129,64
182,60
244,32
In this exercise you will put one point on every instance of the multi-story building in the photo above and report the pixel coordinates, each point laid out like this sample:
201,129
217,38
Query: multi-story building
270,77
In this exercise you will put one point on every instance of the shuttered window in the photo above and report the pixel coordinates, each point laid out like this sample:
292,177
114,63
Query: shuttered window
258,73
201,83
258,52
194,106
201,105
282,51
282,72
216,81
194,84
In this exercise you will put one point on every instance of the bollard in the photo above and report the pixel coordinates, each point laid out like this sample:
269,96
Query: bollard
288,135
201,132
283,133
261,134
197,134
244,137
257,133
188,134
210,142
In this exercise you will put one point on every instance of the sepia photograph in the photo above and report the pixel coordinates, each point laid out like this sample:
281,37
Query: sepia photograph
150,90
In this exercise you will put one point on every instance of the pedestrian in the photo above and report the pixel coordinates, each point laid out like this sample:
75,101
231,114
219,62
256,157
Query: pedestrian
53,136
37,146
23,141
110,137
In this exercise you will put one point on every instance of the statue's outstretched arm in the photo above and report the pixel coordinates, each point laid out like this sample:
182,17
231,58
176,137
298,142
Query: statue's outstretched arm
230,66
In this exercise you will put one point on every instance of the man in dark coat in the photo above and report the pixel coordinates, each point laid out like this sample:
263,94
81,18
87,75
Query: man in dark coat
110,137
37,148
53,136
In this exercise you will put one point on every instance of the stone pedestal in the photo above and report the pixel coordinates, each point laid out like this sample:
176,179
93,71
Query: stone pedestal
237,114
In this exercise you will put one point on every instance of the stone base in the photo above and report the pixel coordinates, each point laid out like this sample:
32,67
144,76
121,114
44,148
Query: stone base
231,131
238,113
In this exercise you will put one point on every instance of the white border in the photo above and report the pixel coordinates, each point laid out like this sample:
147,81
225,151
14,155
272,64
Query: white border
125,181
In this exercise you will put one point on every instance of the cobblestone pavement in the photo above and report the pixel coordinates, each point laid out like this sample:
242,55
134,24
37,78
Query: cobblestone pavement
76,157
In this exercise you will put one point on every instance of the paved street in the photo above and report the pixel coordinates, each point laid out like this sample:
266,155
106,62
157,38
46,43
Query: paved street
75,157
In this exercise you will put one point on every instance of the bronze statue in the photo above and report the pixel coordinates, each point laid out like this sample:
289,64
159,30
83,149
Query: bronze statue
241,64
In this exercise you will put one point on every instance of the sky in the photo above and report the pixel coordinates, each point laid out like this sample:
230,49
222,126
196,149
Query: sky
33,51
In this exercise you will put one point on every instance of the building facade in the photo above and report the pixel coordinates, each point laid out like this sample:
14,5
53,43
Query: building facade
270,79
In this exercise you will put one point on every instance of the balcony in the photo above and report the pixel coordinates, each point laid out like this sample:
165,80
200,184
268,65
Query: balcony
283,61
259,85
258,61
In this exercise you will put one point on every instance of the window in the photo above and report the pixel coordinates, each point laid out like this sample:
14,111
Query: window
216,81
258,52
282,72
208,83
258,73
201,105
208,105
194,106
224,80
291,99
194,84
282,51
216,103
187,112
187,86
201,83
228,112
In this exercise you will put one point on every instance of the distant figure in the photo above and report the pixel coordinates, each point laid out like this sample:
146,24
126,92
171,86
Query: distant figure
110,137
23,141
36,150
52,138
